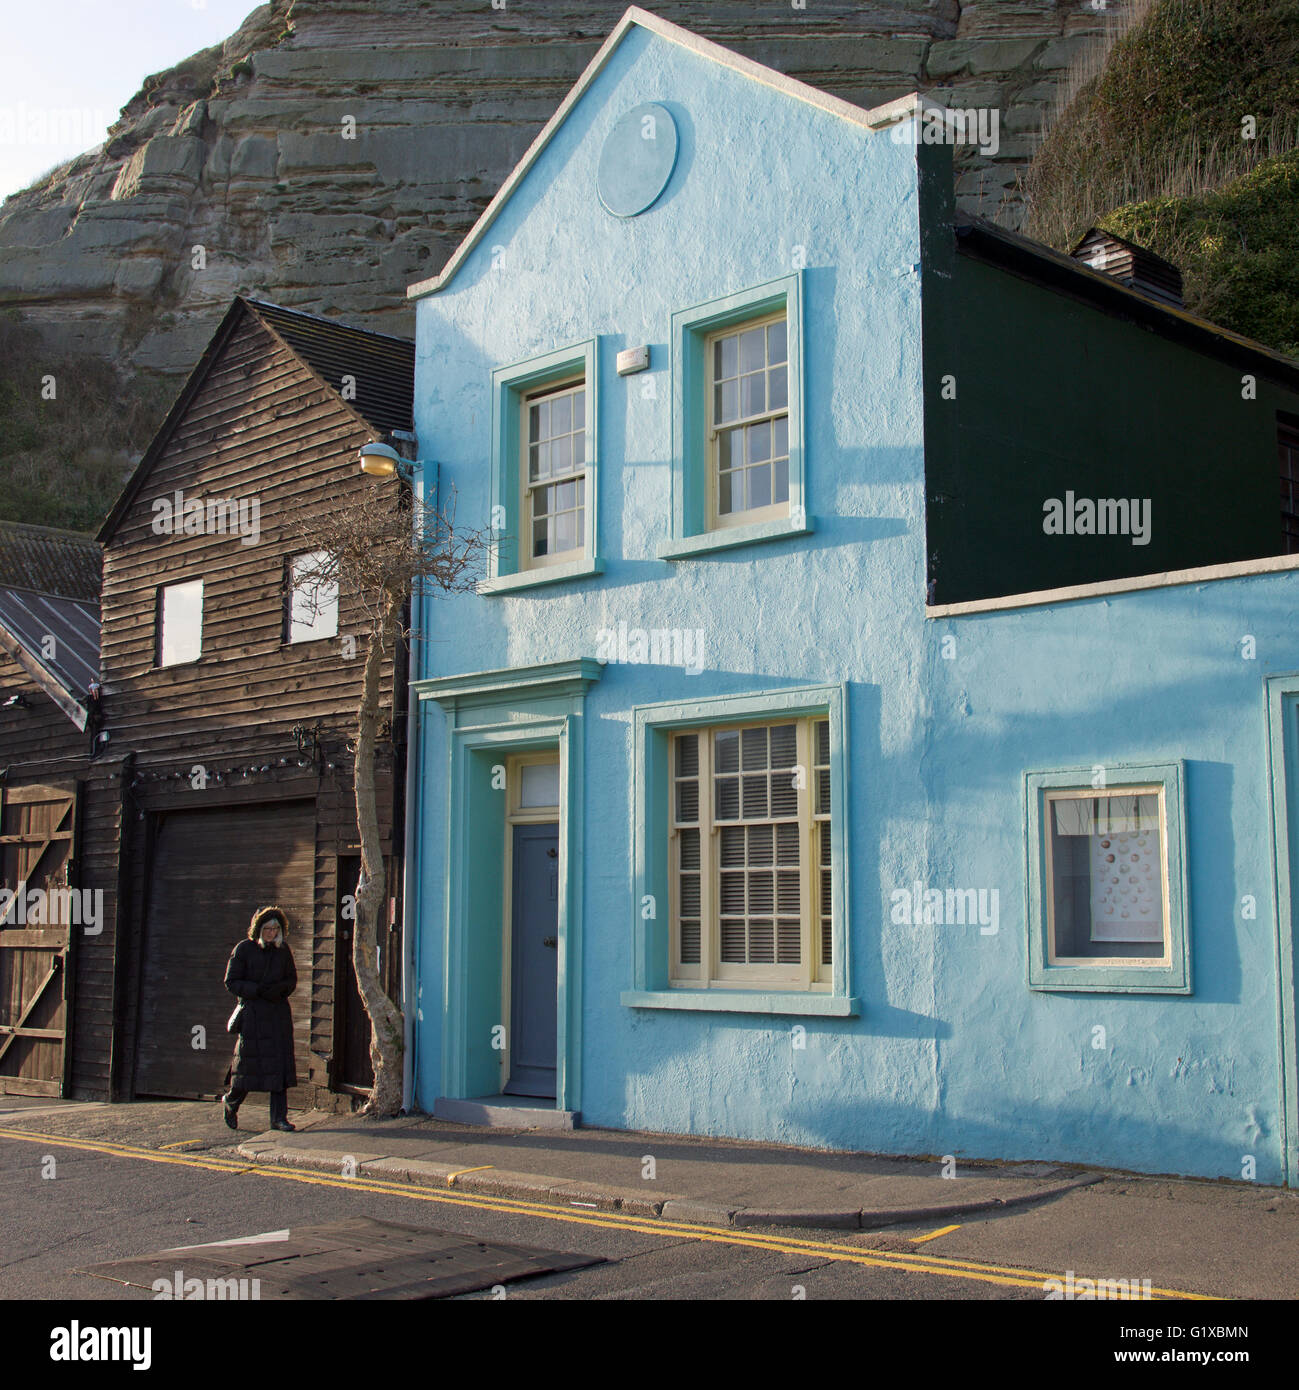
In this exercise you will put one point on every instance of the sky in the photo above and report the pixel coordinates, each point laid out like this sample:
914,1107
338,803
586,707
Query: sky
67,67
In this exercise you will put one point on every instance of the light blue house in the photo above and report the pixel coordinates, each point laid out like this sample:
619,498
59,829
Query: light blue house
739,808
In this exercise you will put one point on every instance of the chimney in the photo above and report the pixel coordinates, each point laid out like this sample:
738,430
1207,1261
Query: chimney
1133,266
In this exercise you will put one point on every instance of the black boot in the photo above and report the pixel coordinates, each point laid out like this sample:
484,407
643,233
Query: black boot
231,1112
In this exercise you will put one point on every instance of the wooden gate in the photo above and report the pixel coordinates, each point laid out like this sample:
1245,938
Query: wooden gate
37,825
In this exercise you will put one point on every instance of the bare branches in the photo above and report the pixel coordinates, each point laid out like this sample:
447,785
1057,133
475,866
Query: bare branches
375,545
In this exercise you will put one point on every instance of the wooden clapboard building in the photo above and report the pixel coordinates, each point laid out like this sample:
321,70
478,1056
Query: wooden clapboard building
49,669
229,693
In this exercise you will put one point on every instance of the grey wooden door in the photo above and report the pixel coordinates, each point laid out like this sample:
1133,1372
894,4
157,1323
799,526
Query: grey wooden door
534,957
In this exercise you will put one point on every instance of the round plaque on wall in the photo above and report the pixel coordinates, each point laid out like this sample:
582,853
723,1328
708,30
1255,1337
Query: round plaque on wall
637,160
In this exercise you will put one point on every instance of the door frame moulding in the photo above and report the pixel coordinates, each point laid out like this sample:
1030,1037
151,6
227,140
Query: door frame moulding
1282,723
492,716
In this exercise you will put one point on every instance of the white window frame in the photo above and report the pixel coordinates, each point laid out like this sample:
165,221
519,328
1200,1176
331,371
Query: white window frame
775,511
326,615
811,974
186,658
527,489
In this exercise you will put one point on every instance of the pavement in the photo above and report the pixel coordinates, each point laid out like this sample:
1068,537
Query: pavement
674,1177
717,1182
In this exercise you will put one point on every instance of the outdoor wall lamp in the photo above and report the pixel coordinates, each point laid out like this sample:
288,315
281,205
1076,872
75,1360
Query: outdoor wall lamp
381,461
18,701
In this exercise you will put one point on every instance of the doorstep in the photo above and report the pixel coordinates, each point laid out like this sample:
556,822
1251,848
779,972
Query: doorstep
506,1112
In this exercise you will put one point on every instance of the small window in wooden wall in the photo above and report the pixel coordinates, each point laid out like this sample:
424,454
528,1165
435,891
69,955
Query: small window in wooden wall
312,609
180,623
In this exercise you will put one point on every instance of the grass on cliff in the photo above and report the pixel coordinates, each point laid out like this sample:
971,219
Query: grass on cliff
1151,146
1237,248
64,461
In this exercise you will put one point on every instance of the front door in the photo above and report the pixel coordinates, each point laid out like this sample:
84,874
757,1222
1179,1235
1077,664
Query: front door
534,956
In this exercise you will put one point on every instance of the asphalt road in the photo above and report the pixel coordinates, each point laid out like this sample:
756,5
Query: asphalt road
67,1203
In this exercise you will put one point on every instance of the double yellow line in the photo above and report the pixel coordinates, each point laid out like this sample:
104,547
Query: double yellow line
913,1262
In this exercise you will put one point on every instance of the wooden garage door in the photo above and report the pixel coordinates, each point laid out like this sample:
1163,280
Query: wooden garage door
36,846
211,870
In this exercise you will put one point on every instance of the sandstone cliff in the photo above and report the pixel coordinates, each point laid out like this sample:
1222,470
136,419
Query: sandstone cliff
240,150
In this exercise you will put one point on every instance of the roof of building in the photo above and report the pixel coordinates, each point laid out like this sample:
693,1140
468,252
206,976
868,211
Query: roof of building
50,561
1033,261
383,367
56,641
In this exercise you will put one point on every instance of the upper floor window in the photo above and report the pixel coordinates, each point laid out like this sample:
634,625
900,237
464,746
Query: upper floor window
312,599
553,475
739,467
1287,449
545,475
179,623
748,427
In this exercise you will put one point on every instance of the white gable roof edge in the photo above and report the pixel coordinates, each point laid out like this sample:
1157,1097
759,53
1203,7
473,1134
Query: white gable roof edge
874,119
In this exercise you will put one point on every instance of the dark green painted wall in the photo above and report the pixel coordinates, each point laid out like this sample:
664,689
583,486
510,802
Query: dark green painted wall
1054,394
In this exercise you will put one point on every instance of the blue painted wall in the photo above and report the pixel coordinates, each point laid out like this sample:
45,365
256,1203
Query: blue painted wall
952,1052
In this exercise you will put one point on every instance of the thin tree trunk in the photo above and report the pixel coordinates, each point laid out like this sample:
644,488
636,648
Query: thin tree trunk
387,1031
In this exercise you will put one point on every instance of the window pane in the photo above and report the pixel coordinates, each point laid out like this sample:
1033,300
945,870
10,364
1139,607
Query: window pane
726,402
313,602
760,843
784,795
753,351
784,745
687,755
726,746
777,338
731,895
753,749
760,487
753,394
724,496
539,784
534,422
561,415
725,357
181,616
579,410
780,481
755,797
780,437
758,442
1107,868
728,799
778,388
733,845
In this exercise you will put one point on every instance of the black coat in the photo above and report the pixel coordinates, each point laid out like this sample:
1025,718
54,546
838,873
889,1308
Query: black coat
263,977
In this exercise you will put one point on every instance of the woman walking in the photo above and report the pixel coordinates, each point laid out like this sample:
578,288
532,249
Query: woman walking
262,976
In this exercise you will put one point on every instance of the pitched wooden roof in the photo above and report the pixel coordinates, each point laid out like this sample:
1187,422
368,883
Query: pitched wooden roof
380,395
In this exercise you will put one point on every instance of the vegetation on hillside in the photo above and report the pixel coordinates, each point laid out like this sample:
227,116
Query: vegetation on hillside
1238,249
1181,133
64,459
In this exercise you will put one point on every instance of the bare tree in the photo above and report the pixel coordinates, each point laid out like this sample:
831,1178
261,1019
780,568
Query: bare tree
371,543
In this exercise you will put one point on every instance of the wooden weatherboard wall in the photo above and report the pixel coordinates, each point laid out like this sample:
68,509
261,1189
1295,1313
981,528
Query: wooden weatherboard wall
217,805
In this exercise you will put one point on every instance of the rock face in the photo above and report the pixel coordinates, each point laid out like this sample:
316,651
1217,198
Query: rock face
330,153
